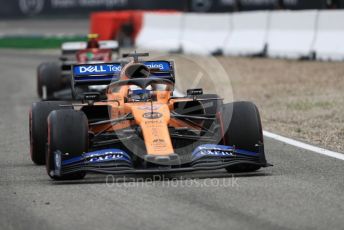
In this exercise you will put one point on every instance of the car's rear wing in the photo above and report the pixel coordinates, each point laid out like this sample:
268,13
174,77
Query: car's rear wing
95,74
70,48
105,73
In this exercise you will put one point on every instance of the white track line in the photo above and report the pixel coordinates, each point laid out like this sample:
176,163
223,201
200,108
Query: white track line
301,145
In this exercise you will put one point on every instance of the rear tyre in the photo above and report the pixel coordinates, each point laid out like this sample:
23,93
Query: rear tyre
67,133
243,129
49,77
39,129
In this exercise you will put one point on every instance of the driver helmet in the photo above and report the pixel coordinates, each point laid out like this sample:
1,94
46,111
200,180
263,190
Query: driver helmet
92,42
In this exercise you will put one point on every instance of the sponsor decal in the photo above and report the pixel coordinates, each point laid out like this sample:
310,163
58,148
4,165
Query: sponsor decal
159,144
105,156
107,3
159,141
63,3
155,66
107,69
153,122
214,150
110,4
92,69
149,107
211,150
216,153
162,65
101,69
219,151
153,115
31,7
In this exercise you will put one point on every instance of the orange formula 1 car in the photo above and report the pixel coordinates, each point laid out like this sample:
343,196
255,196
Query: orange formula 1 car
139,126
54,78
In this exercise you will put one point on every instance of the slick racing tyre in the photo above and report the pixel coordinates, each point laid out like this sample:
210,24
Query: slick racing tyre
38,128
49,79
242,129
67,133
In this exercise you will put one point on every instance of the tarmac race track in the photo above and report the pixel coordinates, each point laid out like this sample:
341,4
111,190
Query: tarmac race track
303,190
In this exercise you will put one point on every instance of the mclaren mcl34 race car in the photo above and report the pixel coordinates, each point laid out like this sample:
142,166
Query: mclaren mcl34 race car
138,126
54,78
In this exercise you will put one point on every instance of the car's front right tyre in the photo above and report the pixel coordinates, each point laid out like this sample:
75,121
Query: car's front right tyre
39,129
67,133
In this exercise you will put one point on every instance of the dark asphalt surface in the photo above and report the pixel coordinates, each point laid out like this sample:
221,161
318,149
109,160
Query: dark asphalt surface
303,190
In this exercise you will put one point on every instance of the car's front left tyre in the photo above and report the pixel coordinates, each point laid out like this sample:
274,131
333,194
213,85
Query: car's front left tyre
243,129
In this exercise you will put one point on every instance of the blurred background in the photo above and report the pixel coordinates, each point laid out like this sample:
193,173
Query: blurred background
63,8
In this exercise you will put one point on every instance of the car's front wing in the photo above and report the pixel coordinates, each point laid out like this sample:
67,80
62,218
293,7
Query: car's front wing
115,161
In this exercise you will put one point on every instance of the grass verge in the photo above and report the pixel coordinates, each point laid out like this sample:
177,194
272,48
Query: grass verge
37,42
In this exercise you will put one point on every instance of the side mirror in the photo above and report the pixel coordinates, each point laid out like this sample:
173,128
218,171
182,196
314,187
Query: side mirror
194,92
91,96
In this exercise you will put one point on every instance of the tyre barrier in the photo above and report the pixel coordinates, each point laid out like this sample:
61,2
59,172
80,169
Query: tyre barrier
204,33
330,36
278,34
160,31
249,34
291,34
